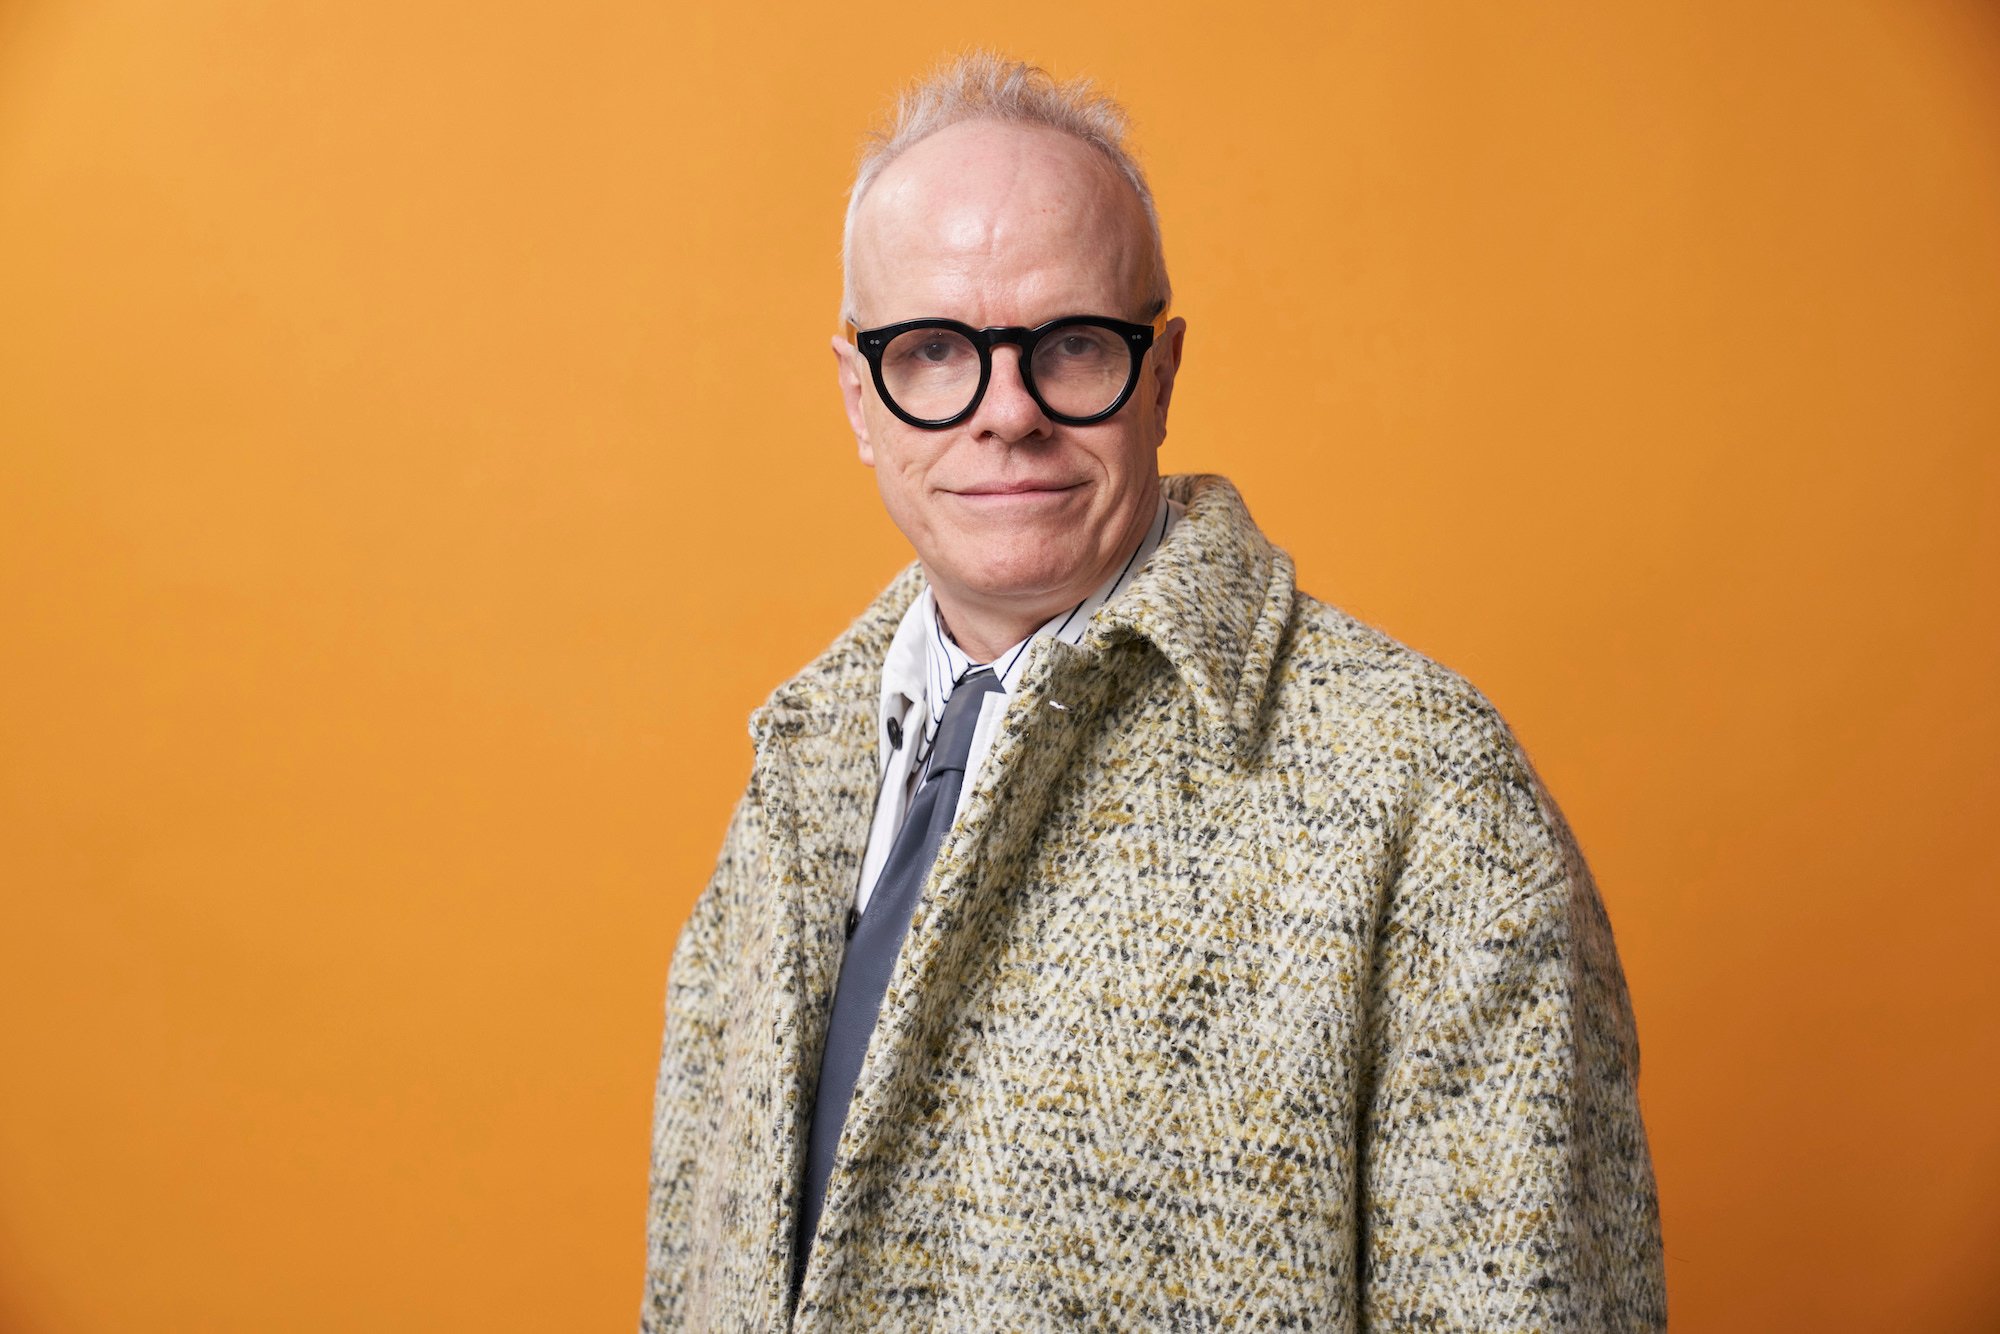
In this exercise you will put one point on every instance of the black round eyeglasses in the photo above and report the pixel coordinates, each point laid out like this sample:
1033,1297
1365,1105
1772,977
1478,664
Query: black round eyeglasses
1079,369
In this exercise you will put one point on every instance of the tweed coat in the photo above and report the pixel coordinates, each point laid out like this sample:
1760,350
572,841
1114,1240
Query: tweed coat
1259,984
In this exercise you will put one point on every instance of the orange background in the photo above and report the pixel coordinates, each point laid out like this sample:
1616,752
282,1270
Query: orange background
419,451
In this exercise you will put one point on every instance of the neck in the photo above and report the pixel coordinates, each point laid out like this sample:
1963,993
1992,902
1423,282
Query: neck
984,637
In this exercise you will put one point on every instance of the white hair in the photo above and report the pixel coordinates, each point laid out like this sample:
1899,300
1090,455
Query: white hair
982,85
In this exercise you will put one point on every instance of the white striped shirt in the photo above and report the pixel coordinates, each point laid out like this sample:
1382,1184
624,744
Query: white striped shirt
921,668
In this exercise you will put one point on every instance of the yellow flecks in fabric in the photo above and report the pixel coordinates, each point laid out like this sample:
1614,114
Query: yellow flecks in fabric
1270,943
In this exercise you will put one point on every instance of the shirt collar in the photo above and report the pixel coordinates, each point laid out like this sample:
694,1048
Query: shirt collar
924,664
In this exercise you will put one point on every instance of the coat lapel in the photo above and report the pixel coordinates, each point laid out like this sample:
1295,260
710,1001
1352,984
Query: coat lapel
822,798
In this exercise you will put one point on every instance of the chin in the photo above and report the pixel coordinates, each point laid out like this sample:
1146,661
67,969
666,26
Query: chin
1021,581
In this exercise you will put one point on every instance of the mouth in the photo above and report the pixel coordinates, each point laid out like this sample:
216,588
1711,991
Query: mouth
1014,490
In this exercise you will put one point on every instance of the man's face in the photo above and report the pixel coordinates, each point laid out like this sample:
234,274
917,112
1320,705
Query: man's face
1014,516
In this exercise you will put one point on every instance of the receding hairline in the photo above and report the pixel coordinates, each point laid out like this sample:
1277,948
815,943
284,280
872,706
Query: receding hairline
982,86
994,175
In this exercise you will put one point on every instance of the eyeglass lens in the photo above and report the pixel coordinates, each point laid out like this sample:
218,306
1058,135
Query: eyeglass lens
1078,369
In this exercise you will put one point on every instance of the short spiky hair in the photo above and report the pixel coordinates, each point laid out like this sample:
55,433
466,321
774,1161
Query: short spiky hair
982,85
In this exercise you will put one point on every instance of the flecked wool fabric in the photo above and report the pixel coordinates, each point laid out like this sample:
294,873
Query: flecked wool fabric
1260,984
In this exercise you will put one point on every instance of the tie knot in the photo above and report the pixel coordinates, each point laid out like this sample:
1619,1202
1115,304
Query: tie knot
961,718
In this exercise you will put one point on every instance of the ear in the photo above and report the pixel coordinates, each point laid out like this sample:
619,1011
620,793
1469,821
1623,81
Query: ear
851,368
1167,365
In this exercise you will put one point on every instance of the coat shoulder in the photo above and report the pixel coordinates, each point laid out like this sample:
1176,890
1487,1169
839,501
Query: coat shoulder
1340,681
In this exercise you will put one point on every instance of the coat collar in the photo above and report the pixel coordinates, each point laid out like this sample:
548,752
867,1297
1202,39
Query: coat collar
1214,600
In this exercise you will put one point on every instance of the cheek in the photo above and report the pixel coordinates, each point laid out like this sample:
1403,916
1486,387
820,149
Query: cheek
1132,455
902,459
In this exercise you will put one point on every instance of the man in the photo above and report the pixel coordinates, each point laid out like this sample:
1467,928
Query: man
1111,934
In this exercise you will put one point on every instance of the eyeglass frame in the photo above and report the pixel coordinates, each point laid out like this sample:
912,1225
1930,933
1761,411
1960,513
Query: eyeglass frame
873,343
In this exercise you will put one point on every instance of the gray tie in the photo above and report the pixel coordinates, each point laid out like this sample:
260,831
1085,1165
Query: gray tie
876,938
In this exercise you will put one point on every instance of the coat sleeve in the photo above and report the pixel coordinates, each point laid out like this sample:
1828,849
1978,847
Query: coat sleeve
686,1108
1506,1179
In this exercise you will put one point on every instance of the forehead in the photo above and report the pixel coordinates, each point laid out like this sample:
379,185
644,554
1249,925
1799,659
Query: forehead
1001,224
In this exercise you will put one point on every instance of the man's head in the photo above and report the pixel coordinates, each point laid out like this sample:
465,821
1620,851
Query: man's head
1002,199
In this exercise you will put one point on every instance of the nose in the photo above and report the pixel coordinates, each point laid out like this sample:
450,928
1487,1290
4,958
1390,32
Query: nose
1007,411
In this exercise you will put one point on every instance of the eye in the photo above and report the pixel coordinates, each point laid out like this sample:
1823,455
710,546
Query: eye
1082,347
930,351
